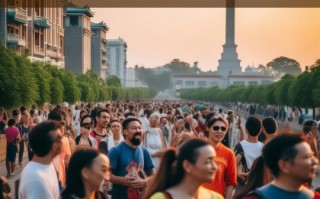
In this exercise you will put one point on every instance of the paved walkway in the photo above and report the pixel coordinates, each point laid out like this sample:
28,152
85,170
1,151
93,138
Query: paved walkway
16,174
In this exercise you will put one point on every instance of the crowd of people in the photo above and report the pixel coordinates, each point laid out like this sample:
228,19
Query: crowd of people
157,150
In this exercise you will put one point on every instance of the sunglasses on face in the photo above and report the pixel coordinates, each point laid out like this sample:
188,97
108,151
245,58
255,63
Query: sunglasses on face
86,125
216,128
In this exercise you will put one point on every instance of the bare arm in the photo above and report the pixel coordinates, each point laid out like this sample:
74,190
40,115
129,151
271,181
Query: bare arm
164,145
229,190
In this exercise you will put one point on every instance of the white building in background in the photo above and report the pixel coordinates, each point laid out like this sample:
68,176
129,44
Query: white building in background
182,81
132,81
117,59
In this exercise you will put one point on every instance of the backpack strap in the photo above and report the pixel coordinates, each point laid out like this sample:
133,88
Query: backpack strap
239,150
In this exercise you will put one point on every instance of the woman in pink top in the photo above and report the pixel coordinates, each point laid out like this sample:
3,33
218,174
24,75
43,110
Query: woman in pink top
13,137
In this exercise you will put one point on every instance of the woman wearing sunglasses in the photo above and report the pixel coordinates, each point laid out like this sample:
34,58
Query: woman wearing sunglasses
226,175
84,138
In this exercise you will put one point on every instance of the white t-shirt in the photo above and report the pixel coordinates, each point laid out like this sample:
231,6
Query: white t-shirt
39,181
251,151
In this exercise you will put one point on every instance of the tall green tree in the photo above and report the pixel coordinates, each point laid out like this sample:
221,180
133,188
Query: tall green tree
86,92
315,69
9,87
113,81
57,89
43,79
281,92
71,92
285,65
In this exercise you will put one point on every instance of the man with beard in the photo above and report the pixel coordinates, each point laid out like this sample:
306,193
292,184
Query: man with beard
131,164
100,130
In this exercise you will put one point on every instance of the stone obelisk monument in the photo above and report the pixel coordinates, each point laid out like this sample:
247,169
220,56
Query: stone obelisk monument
229,64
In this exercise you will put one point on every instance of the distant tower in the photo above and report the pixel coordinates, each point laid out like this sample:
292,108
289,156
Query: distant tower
229,63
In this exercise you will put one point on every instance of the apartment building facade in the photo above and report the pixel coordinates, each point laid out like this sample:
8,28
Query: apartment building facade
34,28
78,39
117,59
99,50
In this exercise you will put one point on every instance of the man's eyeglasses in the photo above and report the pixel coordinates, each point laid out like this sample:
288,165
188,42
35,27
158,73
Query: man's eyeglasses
216,128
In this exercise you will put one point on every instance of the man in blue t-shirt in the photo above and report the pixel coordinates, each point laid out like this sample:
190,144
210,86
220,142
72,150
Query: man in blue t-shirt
292,163
131,164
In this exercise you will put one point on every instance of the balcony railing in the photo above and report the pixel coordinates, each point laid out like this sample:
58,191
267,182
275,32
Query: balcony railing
14,40
13,37
17,15
21,12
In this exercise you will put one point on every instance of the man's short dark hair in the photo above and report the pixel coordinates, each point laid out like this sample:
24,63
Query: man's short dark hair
281,147
22,109
127,121
11,122
253,125
270,125
40,138
55,114
15,112
101,111
129,114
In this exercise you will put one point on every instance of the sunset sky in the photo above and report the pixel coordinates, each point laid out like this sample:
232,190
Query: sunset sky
155,36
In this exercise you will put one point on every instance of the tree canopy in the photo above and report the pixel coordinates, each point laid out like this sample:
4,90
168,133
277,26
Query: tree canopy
301,91
159,78
25,83
285,65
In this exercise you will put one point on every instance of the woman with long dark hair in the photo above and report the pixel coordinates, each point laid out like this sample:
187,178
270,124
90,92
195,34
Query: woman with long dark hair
259,175
87,169
181,174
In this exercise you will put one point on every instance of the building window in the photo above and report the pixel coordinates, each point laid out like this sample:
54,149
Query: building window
252,83
202,83
239,83
189,83
36,39
179,82
265,82
74,21
213,84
